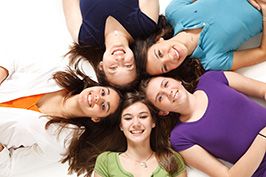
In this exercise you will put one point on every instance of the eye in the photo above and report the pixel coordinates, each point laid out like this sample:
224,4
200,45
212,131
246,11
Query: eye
113,67
127,118
160,54
143,116
160,98
129,66
103,92
103,106
165,69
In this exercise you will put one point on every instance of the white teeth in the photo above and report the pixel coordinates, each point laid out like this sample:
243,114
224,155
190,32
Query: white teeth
177,53
136,131
118,52
89,100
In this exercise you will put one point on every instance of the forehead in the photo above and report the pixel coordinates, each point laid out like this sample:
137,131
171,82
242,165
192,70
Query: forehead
113,98
153,64
136,108
122,76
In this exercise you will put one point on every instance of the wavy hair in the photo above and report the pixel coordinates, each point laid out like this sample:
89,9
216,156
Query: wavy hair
89,138
159,139
190,68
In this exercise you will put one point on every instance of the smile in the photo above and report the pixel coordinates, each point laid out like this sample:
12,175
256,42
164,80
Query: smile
118,51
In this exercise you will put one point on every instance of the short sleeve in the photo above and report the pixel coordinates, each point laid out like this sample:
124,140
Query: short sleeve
222,61
179,140
180,163
212,77
175,5
101,165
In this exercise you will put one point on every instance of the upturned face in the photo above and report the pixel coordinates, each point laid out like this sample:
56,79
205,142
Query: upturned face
166,94
98,102
164,56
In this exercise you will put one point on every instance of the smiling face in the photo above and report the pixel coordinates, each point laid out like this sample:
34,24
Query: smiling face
98,102
119,65
137,123
164,56
167,94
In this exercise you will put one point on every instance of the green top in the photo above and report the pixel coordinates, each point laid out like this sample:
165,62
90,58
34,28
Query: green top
108,164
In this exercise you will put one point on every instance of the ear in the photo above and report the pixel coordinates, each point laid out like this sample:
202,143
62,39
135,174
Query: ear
153,125
96,119
163,113
161,39
100,66
120,126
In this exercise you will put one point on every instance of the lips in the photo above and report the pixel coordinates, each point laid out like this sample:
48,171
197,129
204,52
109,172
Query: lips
90,99
175,96
177,55
118,51
136,132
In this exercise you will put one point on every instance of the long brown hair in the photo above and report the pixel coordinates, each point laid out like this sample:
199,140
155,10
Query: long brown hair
159,139
92,54
189,70
89,138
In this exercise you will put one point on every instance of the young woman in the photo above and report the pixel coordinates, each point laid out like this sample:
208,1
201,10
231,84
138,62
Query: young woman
104,30
216,121
145,149
64,97
210,31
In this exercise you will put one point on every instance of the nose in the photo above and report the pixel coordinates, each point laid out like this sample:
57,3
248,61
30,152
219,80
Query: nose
169,93
98,99
119,58
136,121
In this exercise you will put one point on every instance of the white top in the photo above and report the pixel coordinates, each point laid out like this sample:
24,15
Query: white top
41,147
29,77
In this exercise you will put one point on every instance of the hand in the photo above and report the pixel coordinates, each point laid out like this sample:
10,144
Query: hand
258,4
263,131
1,147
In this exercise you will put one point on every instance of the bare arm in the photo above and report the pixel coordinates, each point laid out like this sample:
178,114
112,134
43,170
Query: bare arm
246,85
253,56
244,167
73,17
151,8
3,74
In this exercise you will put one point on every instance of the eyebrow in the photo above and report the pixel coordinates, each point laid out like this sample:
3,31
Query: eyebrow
108,106
108,103
154,52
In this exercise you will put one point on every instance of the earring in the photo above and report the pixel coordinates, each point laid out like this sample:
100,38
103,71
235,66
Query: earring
121,129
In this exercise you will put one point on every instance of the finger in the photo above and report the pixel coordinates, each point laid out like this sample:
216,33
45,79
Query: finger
255,4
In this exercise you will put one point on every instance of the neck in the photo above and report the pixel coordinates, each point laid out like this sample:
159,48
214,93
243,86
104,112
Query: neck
114,31
54,104
139,152
195,108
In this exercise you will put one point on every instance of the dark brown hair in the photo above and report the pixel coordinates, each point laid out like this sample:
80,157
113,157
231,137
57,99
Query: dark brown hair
190,68
89,138
92,54
159,140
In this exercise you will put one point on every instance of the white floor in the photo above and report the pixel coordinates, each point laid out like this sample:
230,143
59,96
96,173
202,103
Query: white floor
36,29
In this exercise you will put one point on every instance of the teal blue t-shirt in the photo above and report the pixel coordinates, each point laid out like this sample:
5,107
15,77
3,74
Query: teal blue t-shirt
226,24
108,164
